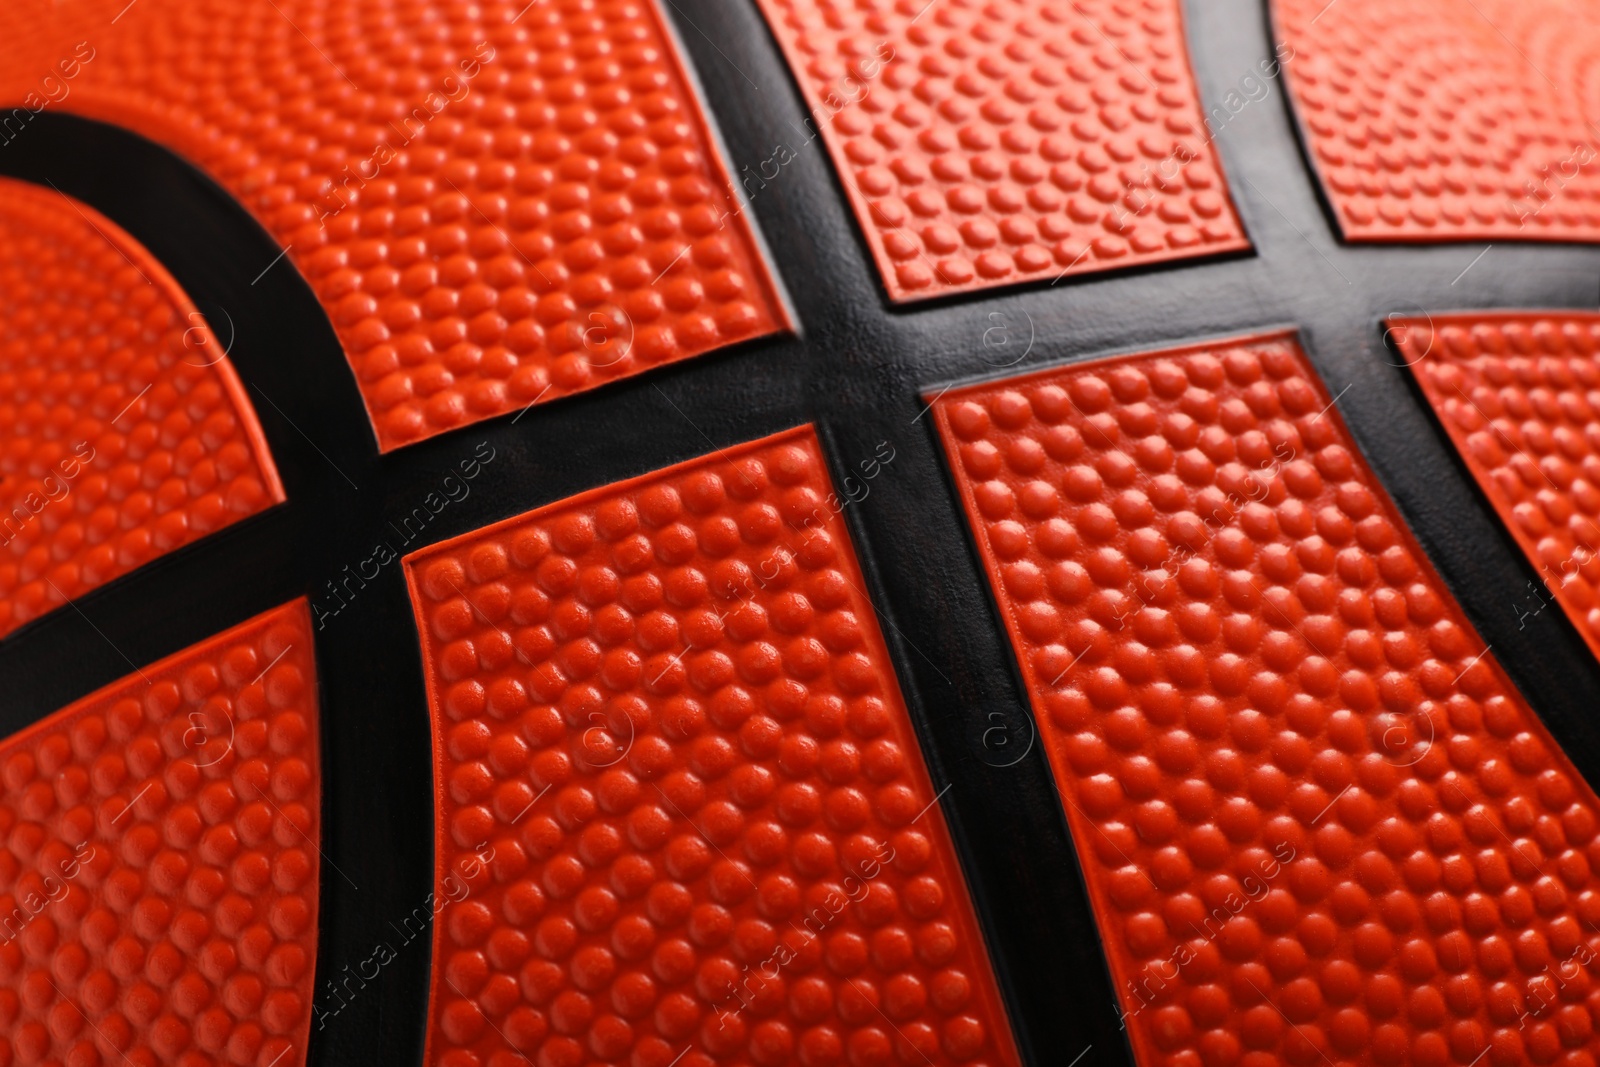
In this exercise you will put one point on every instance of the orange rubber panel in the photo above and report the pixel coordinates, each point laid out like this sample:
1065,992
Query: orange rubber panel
158,890
1447,120
985,144
1516,392
683,817
1317,822
124,433
496,203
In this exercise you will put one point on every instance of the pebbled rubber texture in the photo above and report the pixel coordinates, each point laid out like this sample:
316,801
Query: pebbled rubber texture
124,433
1516,392
1316,821
158,891
1444,120
985,144
494,209
683,818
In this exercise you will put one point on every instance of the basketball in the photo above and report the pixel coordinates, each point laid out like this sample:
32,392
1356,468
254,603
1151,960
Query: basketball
672,533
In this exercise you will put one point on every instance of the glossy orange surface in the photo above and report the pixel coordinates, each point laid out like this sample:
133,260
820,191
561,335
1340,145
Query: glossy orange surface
124,432
683,815
158,889
1517,394
497,204
1317,822
985,144
1449,120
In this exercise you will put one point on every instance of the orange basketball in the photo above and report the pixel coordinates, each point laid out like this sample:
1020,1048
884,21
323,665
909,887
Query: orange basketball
797,533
